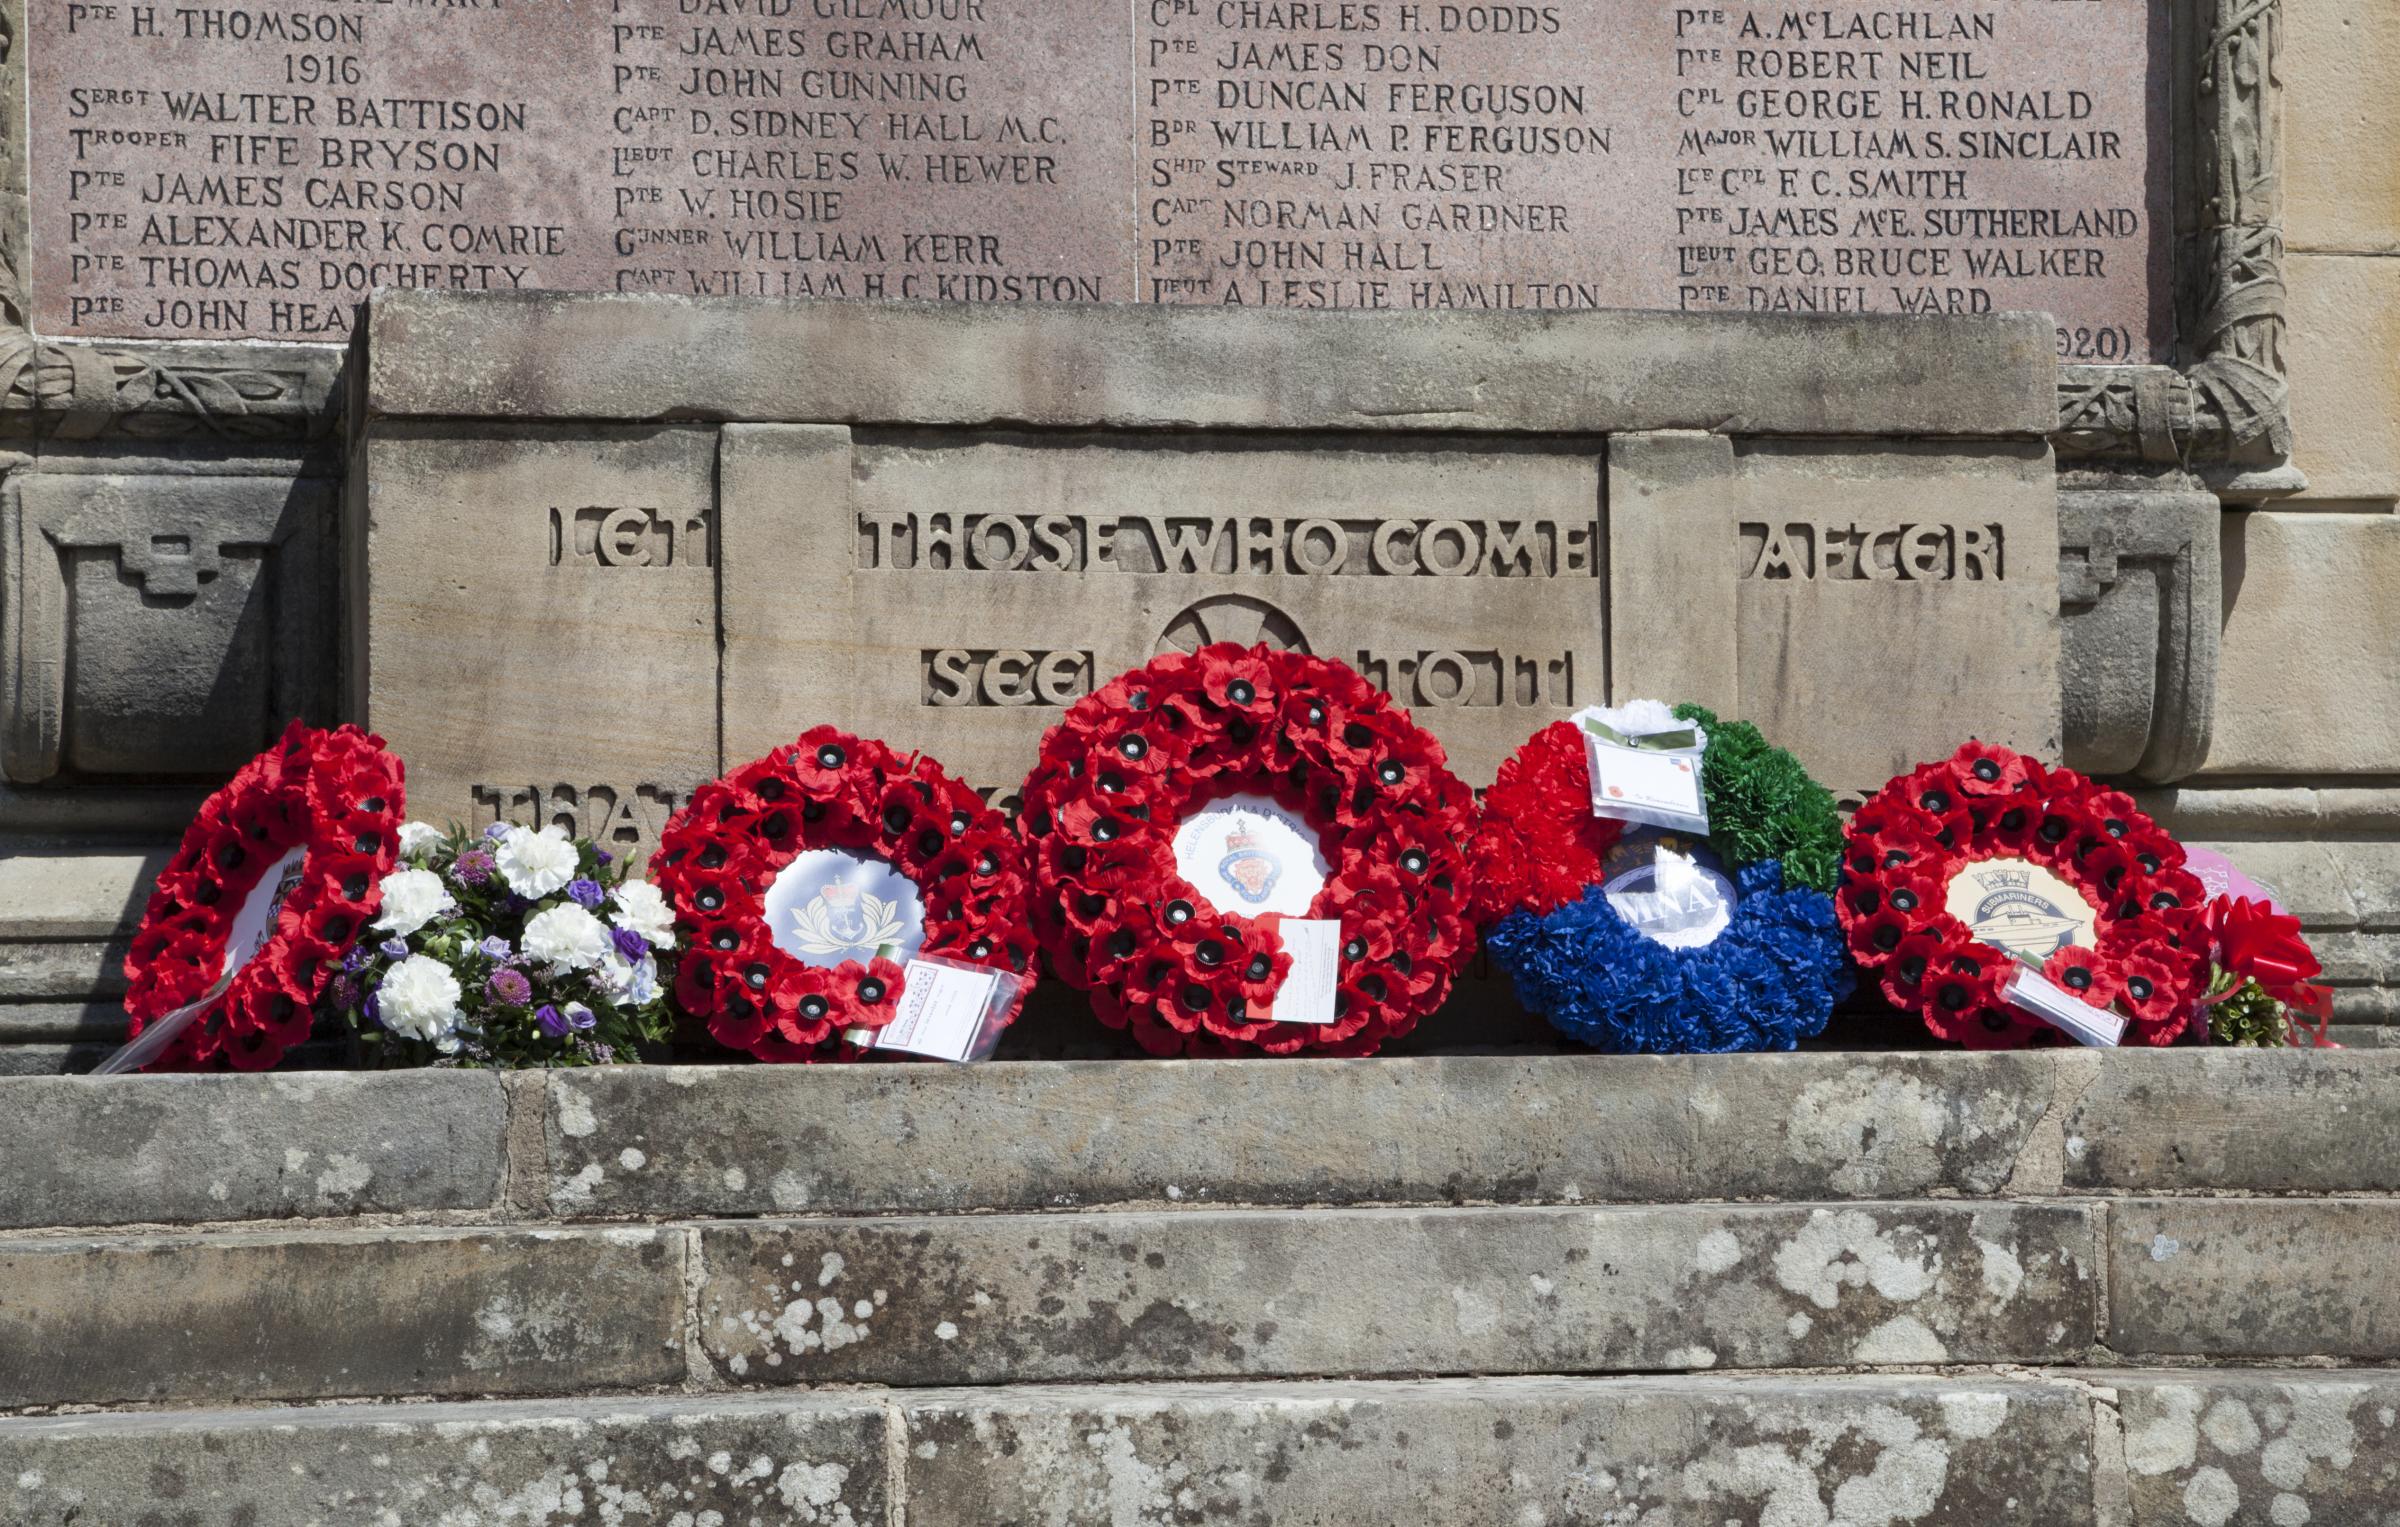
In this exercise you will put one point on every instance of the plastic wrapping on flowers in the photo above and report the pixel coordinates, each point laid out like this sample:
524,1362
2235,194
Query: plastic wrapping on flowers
871,856
273,881
1553,883
512,947
1958,872
1336,776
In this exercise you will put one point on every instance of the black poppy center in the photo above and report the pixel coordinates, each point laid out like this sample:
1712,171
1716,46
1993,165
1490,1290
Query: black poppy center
1935,801
813,1007
870,990
1904,900
1986,770
1240,692
830,756
2140,987
2079,978
1134,746
1179,912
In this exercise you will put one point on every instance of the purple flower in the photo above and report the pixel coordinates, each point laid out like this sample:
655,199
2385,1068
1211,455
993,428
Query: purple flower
345,991
474,866
604,856
357,959
497,831
494,948
394,948
587,892
547,1019
510,986
372,1008
629,944
580,1017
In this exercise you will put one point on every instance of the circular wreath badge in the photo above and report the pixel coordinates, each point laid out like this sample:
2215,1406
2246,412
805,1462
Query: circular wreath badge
288,857
1323,754
1546,866
1955,872
922,851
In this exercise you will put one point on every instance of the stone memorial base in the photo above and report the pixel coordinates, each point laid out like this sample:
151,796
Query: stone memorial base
601,548
2084,1291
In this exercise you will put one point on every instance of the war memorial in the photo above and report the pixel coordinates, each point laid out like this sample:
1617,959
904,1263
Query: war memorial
1167,554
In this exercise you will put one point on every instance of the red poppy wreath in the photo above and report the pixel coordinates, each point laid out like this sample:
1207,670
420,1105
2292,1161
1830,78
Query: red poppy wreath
1204,826
274,881
1956,874
808,879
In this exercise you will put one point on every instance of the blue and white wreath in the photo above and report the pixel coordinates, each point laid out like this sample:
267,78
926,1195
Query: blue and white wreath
1673,945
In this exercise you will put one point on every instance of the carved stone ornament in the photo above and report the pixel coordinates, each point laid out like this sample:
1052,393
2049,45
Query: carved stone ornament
2227,410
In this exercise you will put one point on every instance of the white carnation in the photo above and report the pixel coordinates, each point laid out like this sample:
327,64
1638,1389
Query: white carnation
536,863
642,910
627,983
418,839
411,899
418,999
565,936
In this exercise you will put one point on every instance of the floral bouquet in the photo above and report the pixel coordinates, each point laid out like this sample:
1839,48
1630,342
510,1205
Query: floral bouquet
515,948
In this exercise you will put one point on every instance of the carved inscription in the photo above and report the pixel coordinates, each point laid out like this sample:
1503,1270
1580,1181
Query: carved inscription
1002,676
624,819
1830,551
215,170
630,537
1448,680
1305,545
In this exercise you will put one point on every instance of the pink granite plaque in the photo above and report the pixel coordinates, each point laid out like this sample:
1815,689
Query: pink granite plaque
224,171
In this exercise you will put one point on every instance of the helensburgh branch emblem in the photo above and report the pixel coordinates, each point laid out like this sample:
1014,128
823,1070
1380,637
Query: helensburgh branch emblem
1249,866
841,920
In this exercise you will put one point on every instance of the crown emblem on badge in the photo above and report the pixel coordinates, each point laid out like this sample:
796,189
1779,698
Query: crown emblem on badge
839,896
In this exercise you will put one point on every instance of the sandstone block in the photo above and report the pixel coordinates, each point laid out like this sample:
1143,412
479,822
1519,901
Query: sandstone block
177,1149
531,600
2312,622
58,895
1224,1293
1952,1451
2260,1447
1805,586
2344,329
1438,1130
248,1316
801,1462
2341,148
1137,366
2232,1278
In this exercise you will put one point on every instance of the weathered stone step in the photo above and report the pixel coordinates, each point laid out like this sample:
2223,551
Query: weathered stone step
692,1142
317,1314
983,1299
2120,1449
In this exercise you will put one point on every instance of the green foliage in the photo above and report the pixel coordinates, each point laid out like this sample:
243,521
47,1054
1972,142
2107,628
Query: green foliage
1763,805
2248,1017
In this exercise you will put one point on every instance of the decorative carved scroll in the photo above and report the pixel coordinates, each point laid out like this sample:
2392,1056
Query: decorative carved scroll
2230,404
